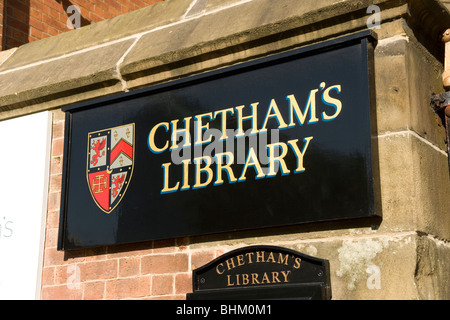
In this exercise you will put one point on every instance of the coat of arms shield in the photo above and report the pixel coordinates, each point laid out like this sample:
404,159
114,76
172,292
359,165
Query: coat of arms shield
110,162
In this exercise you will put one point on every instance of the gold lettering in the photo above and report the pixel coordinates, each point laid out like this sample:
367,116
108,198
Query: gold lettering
255,278
275,277
299,154
259,256
279,159
224,121
230,264
199,170
249,256
229,284
335,103
217,268
185,131
253,117
185,185
310,106
199,128
282,260
226,167
276,113
270,258
297,263
265,278
240,260
252,160
166,188
286,274
151,138
245,280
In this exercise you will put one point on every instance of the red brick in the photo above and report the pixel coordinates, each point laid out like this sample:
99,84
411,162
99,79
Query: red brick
102,5
51,237
98,11
88,5
35,34
200,258
18,25
19,15
93,17
63,273
12,43
114,4
61,293
164,263
36,13
162,285
128,288
53,4
39,6
58,129
183,283
56,165
54,201
53,257
113,11
97,270
53,220
48,276
37,24
58,147
128,3
55,183
129,266
19,6
54,23
94,290
55,14
17,35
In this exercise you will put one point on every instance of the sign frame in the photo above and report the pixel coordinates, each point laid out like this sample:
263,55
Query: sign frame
365,40
262,272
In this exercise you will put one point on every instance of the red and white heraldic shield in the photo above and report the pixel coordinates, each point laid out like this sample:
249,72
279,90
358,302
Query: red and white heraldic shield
110,165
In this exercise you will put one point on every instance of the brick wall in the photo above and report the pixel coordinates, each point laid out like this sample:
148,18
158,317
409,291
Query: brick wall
30,20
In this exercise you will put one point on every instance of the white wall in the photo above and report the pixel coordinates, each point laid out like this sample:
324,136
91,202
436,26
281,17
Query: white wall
25,145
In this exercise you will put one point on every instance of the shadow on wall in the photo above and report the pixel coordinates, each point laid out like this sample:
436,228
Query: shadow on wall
66,4
16,23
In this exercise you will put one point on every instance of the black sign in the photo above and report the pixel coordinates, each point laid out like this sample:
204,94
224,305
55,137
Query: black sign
277,141
262,272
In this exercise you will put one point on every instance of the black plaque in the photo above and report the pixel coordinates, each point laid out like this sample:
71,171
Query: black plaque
262,272
290,144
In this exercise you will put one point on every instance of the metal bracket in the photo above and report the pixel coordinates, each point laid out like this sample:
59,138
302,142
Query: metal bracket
439,102
441,105
446,74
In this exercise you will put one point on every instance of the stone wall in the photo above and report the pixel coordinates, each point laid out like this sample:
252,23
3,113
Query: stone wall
402,257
